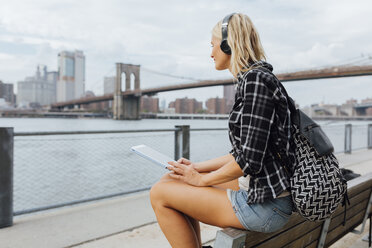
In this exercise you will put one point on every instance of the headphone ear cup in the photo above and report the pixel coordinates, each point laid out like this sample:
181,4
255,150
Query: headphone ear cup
225,47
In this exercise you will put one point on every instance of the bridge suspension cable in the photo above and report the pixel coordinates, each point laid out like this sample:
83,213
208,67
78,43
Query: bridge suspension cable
98,82
169,75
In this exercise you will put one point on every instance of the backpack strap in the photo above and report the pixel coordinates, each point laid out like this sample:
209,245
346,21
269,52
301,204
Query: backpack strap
291,104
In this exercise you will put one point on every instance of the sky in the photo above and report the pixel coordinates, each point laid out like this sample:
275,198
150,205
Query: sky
173,37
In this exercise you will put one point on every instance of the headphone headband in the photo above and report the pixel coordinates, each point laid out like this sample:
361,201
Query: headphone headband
225,23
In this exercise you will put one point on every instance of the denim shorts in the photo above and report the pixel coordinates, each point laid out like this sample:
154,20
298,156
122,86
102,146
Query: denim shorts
268,216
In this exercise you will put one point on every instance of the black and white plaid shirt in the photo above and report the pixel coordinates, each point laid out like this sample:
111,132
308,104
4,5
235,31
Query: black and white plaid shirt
259,129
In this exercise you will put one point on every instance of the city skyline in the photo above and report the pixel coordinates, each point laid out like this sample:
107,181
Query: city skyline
109,84
295,35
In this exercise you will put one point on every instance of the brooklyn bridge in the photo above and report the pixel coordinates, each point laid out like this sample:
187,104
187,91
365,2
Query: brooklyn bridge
126,102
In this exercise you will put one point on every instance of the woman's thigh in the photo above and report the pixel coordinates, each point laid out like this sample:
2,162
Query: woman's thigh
209,205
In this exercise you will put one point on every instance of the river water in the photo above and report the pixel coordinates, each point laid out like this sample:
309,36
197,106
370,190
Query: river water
56,169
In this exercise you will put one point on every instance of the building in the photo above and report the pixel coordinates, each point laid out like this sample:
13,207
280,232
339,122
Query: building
37,90
52,78
367,100
94,106
186,106
109,88
348,108
163,105
108,85
71,80
229,95
149,104
7,93
351,102
217,106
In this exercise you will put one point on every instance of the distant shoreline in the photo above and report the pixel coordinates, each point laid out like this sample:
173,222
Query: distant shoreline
88,115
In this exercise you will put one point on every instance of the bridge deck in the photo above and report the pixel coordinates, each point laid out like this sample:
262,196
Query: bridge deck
332,72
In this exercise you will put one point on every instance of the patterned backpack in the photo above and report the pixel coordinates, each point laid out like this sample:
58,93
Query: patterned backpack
317,184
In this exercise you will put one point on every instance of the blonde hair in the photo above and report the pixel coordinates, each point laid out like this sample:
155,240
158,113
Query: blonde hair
244,42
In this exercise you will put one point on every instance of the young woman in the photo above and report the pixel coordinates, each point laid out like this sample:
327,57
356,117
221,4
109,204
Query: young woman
246,188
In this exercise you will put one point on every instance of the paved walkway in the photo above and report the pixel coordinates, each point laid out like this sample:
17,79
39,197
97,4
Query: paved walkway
125,222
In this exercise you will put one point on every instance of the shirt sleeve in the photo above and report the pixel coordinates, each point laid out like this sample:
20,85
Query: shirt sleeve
257,117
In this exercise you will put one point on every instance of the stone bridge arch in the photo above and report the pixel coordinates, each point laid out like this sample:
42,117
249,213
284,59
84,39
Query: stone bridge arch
126,107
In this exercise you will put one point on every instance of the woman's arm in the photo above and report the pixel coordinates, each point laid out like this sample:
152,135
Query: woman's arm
208,165
188,174
226,173
213,164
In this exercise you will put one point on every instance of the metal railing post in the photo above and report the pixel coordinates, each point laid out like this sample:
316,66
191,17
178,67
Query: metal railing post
347,147
6,176
177,142
183,146
369,136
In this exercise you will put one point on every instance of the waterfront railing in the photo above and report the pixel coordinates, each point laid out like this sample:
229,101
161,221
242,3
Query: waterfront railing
56,169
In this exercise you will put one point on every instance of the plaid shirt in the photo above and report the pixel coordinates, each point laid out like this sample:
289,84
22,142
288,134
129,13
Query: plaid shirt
259,128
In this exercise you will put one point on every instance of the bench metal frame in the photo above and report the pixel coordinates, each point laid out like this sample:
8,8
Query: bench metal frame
230,237
365,216
323,233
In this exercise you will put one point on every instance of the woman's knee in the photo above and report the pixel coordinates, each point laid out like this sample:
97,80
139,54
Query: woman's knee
160,192
157,193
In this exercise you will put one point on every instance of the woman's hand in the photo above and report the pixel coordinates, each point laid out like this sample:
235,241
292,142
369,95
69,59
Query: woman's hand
184,161
186,173
187,162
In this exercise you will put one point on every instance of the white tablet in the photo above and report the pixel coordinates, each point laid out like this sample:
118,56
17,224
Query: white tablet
152,155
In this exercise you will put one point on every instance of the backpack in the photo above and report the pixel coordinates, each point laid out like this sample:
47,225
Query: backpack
317,185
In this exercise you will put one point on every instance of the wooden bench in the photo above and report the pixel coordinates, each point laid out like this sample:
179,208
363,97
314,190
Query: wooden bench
301,233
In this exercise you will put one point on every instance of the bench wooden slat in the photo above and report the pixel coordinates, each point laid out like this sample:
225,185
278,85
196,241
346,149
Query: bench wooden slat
366,189
359,180
306,239
359,202
295,233
260,237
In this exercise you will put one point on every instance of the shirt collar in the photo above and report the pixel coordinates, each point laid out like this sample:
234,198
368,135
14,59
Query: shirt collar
256,64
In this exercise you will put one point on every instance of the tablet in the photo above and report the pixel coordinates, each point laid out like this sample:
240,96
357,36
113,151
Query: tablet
152,155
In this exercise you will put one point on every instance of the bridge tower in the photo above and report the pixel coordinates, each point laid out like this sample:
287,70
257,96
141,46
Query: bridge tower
126,107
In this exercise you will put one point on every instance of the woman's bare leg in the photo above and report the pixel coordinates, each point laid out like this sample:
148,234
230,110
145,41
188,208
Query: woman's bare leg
196,228
195,223
173,200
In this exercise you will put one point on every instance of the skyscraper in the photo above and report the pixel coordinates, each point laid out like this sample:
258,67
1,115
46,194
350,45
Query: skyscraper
229,95
71,71
7,93
108,85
